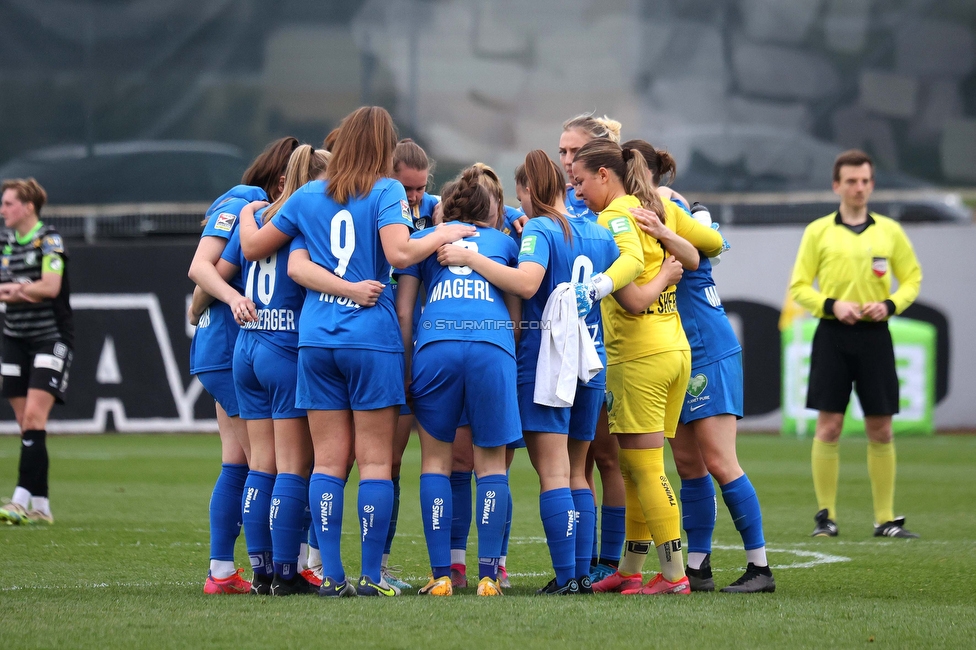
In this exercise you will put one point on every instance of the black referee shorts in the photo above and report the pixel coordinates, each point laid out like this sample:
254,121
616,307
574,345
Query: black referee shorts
860,354
42,365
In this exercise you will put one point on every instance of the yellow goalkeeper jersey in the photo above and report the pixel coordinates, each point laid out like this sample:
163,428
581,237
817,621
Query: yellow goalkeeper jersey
854,267
658,329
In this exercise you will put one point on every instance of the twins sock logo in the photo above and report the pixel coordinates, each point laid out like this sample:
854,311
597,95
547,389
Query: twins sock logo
367,519
275,504
251,494
489,506
436,512
571,524
667,490
325,508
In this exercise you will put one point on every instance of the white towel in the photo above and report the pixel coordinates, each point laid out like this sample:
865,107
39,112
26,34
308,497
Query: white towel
567,351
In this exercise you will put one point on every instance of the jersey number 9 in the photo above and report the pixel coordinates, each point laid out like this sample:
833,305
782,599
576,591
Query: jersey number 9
342,240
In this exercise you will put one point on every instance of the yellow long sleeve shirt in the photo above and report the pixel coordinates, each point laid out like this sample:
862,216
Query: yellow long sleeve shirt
658,329
854,267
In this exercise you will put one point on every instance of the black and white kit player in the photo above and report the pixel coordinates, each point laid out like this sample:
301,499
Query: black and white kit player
38,339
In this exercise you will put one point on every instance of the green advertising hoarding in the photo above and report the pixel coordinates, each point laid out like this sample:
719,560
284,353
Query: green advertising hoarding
914,360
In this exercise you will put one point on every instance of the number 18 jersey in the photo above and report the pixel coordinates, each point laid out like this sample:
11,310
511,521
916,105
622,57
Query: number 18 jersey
277,297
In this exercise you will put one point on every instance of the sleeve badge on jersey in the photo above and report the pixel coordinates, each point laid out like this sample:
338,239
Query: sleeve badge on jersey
879,266
225,221
528,245
52,244
405,210
619,225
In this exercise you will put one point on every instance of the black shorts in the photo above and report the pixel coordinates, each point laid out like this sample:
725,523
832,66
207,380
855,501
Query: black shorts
860,354
43,365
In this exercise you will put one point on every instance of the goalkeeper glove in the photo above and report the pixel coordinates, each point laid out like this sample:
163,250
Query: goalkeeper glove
600,286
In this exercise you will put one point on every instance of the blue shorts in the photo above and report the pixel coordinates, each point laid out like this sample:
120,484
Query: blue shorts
342,379
714,389
265,379
473,378
577,421
220,385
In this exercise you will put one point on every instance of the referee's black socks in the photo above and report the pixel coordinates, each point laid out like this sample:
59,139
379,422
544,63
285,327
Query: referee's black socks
33,462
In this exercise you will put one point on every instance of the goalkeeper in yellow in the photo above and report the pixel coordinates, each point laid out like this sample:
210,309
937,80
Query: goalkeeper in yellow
648,356
852,254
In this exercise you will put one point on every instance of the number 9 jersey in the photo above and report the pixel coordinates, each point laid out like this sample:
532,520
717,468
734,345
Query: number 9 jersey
591,250
345,240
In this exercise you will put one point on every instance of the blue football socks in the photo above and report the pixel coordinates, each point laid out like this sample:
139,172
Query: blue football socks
743,504
325,498
493,497
613,531
559,522
375,508
436,509
585,508
288,510
461,500
698,513
225,511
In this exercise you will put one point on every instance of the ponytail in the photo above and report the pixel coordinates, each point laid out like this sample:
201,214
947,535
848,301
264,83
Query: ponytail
306,164
660,163
546,186
637,183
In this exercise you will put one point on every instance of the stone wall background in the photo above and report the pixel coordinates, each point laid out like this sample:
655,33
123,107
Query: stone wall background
750,95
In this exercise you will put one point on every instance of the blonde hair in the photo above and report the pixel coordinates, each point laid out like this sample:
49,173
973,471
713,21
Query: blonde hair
306,164
594,127
489,179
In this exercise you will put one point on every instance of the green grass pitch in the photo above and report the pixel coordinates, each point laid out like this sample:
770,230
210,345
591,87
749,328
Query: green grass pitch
124,564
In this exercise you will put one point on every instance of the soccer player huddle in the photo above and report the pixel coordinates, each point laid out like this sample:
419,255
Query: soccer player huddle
339,305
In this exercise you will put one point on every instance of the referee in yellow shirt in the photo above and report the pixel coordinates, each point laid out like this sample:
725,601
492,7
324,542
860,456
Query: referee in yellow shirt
852,255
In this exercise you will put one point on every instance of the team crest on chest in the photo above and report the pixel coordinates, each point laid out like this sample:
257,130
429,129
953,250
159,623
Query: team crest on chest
420,223
879,266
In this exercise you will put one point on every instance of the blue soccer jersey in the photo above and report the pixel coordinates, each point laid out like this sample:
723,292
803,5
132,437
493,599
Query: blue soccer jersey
212,347
591,250
462,305
345,239
277,297
703,317
423,218
577,207
423,213
508,226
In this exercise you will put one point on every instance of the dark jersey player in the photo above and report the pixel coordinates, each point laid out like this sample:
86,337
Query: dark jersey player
38,338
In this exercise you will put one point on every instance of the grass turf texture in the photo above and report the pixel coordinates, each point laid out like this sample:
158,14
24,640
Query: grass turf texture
124,564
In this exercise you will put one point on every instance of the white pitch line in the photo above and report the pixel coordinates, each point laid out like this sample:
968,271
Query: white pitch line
818,557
